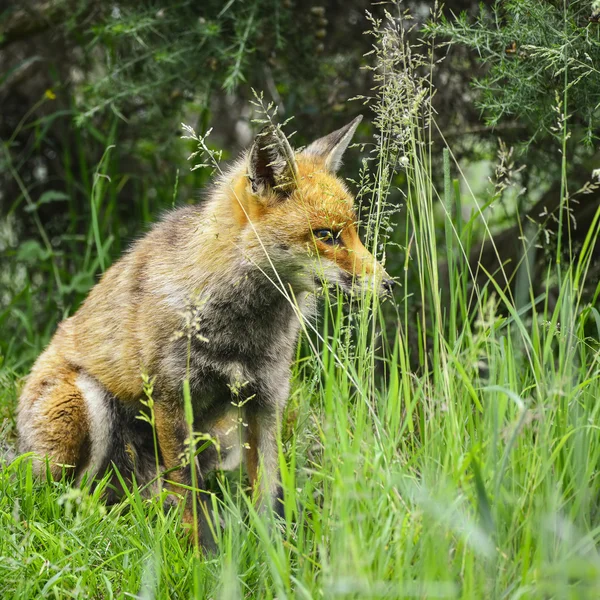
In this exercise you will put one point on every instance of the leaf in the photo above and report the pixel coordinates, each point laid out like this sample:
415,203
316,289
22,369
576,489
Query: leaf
47,198
31,251
81,283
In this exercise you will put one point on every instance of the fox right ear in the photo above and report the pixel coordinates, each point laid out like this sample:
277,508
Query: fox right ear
331,148
271,164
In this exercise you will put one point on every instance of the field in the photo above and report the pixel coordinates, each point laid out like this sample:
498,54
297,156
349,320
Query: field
440,444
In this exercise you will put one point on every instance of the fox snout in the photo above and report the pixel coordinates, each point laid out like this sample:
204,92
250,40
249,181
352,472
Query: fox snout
368,272
377,280
350,266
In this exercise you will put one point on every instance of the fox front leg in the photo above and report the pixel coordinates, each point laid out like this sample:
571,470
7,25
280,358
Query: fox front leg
172,432
262,457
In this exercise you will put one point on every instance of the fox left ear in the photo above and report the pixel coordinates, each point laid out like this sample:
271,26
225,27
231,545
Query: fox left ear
332,147
271,164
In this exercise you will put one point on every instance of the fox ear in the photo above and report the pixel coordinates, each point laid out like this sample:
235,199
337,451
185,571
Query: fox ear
272,165
331,148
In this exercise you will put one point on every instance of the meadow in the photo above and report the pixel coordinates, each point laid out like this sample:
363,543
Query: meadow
440,444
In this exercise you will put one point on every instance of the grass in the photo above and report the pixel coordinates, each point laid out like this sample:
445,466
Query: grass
442,446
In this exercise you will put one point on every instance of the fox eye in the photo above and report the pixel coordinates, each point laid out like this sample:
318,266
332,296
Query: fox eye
327,236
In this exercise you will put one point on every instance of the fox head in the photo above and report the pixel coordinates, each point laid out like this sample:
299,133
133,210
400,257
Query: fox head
298,217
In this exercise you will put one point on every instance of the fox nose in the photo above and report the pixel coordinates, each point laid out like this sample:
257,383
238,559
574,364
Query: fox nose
388,285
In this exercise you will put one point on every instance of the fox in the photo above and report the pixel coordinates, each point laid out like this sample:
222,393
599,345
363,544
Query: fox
214,294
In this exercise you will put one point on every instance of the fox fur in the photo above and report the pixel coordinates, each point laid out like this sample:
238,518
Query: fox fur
223,285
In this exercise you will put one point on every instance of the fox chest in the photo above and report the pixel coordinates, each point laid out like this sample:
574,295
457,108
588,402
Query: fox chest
223,394
228,366
239,352
223,375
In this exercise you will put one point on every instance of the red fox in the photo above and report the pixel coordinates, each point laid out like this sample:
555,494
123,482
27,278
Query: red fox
240,271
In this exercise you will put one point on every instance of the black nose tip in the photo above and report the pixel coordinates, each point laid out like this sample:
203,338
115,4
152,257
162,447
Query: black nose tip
388,285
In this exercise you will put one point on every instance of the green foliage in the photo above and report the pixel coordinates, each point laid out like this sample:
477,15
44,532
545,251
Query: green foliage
153,58
534,52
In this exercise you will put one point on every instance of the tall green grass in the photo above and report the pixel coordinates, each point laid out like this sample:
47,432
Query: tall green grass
443,445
